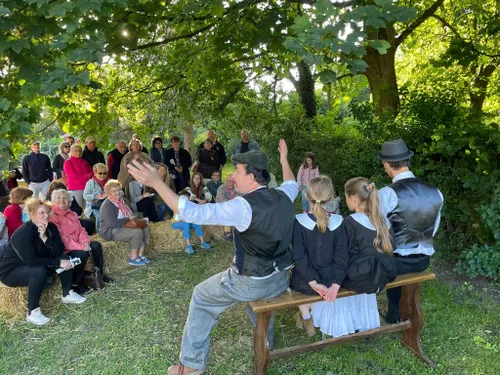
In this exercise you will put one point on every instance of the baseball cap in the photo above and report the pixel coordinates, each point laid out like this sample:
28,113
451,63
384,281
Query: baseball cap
90,139
255,158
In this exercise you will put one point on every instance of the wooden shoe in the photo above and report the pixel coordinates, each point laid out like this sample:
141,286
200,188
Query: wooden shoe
309,326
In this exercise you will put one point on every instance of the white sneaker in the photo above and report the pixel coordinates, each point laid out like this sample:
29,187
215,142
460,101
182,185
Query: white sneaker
36,317
73,297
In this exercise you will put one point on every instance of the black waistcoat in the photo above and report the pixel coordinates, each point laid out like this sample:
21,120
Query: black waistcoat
414,217
117,157
265,246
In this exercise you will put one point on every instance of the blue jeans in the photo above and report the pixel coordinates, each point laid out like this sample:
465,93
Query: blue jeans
211,298
162,211
95,213
186,227
305,202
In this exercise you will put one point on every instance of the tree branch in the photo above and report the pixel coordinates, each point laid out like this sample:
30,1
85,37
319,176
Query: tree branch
423,17
49,125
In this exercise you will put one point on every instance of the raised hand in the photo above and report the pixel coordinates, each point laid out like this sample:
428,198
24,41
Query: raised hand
144,173
283,150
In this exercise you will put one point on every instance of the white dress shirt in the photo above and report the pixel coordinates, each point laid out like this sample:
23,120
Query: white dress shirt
389,201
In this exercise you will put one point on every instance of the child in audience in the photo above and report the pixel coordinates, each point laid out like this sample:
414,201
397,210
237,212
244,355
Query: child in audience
197,190
371,265
214,184
320,250
186,228
307,171
14,213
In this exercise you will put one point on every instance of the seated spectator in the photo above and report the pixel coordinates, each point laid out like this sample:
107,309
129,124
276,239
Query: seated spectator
78,172
161,206
186,228
4,234
225,193
74,237
35,250
118,223
197,190
14,214
214,184
134,153
142,201
208,160
94,192
91,154
59,159
7,185
135,137
86,223
157,152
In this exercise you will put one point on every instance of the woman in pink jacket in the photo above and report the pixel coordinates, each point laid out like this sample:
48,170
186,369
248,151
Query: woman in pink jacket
307,171
78,172
77,243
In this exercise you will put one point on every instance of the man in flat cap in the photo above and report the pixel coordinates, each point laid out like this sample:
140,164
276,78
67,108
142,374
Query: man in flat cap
263,219
91,154
413,208
37,171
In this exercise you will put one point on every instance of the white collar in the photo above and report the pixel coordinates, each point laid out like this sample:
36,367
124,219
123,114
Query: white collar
364,220
403,175
308,223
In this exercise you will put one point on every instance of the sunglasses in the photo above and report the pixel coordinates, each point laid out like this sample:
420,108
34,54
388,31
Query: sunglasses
102,174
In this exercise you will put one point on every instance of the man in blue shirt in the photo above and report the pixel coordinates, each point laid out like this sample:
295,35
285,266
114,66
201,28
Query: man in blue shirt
413,208
37,171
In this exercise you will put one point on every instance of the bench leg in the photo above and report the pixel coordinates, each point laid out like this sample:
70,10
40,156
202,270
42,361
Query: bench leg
410,310
261,349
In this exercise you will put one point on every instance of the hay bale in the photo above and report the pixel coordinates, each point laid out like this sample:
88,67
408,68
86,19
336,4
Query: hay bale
164,239
14,301
213,232
115,255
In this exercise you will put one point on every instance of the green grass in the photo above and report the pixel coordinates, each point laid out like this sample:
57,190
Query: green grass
134,327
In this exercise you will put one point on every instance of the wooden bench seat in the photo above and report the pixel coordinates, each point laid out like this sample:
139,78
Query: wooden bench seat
411,321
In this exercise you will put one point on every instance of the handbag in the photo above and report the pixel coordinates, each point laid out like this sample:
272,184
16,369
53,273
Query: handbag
140,223
93,278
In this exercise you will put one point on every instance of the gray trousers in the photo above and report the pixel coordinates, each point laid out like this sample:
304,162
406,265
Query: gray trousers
135,237
212,297
40,189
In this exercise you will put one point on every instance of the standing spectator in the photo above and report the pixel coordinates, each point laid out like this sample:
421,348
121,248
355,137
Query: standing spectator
59,159
69,138
134,153
15,174
198,192
178,161
245,145
225,193
115,158
157,151
4,194
91,154
208,160
218,147
214,184
94,192
413,208
144,149
78,172
14,214
161,207
37,171
307,171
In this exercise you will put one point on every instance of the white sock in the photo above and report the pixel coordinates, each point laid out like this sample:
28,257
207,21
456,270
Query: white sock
306,317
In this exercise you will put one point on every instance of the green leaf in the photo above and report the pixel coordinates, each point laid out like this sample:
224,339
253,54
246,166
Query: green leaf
4,104
5,11
60,10
327,76
380,45
18,45
293,44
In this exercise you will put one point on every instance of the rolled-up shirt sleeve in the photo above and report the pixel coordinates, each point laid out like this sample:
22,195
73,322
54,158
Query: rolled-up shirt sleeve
236,213
290,188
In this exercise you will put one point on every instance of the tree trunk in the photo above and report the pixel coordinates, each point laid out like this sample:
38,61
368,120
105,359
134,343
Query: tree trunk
189,139
381,74
479,87
305,88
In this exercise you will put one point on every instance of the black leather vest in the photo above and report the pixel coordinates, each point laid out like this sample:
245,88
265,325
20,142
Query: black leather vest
265,245
414,217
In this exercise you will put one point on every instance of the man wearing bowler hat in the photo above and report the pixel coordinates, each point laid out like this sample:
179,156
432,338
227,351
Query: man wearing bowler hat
263,219
413,208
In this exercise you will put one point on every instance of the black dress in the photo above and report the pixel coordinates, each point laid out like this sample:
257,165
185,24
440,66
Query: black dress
318,256
368,270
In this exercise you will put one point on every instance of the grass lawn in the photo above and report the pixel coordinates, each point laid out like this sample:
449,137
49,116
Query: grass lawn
134,327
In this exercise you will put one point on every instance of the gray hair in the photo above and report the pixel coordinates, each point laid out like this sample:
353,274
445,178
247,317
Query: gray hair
55,192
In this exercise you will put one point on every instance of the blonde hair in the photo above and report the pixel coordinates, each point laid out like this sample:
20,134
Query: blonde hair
319,192
367,193
110,185
19,194
32,205
166,178
99,166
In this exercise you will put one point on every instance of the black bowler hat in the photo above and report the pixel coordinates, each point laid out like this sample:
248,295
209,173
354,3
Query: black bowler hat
255,158
395,151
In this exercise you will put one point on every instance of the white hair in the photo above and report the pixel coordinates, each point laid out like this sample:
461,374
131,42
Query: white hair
64,191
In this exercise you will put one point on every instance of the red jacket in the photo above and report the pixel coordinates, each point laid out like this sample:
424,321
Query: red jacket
73,235
78,172
14,215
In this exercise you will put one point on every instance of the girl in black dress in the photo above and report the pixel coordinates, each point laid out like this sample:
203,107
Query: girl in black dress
320,250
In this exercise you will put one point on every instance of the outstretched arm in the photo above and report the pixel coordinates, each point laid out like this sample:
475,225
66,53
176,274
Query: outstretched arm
287,171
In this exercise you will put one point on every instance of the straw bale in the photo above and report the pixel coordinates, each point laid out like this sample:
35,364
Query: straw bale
14,301
213,232
164,239
115,256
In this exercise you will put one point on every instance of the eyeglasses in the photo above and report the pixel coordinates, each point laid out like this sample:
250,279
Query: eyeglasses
102,174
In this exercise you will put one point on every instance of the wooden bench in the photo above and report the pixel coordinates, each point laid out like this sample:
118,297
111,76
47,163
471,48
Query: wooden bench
411,324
